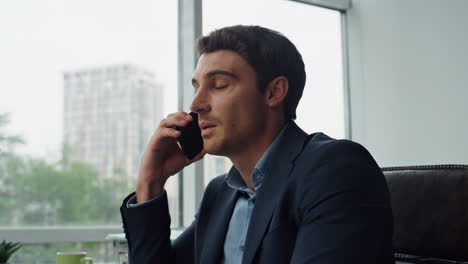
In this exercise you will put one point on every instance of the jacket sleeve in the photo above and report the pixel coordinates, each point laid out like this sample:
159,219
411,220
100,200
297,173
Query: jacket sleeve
345,213
147,230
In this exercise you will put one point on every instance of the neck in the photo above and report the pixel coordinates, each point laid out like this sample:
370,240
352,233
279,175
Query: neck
246,160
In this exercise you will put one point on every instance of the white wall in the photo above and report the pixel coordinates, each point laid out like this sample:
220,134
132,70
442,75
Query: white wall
409,80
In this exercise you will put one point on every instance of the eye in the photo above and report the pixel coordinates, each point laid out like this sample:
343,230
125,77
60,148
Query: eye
221,87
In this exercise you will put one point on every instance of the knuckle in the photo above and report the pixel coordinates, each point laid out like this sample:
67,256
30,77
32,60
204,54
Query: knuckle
175,114
163,121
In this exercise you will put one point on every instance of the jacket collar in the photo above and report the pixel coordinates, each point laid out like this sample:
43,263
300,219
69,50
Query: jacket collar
281,163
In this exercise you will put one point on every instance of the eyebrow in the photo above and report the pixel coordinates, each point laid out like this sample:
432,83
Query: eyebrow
211,74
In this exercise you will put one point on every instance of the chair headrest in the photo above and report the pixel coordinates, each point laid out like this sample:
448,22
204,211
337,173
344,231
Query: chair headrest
430,210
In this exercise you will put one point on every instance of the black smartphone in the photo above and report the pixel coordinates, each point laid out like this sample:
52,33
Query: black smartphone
191,140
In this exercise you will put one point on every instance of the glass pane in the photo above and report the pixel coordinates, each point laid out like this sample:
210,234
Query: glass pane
84,83
316,32
215,166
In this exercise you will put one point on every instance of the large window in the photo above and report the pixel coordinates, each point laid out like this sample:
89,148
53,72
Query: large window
83,85
316,32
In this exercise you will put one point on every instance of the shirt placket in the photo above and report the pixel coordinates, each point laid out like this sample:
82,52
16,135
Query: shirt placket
250,205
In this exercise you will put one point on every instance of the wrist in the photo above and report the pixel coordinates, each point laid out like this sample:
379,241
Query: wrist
148,191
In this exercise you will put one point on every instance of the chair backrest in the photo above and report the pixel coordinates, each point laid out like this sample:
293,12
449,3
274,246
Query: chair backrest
430,211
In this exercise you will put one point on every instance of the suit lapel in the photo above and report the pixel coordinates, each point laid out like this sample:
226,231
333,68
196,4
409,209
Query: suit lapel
215,229
280,166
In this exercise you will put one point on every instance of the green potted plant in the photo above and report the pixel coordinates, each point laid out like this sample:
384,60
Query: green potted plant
7,249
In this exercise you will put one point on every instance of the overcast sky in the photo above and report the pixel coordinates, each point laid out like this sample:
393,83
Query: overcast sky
42,39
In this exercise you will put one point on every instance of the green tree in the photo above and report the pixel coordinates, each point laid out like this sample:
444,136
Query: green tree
8,142
71,195
10,167
36,192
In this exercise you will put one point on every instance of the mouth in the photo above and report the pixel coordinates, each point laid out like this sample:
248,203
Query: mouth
206,128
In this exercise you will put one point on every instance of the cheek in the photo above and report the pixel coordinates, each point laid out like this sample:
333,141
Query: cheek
238,111
227,107
244,116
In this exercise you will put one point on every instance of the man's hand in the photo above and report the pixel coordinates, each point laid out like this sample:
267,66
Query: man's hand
163,157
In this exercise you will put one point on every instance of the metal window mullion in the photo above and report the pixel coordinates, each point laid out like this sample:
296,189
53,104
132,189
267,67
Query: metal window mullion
190,28
346,85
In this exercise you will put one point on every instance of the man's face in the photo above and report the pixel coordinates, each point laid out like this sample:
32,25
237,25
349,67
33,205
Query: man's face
230,107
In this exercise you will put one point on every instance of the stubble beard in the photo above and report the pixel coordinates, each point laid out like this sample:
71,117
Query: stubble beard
217,145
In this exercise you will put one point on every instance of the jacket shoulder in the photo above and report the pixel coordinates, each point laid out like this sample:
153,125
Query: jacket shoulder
330,162
326,148
328,165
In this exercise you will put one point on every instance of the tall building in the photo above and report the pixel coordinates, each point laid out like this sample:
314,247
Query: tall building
110,114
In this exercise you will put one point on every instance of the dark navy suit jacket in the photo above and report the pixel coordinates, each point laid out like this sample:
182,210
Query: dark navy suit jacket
325,201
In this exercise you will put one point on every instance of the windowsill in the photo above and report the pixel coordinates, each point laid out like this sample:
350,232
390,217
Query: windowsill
58,234
121,236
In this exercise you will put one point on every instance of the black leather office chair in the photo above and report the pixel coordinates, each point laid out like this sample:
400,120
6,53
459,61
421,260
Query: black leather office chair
430,212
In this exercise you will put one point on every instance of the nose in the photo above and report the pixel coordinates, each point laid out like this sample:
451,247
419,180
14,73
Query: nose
200,102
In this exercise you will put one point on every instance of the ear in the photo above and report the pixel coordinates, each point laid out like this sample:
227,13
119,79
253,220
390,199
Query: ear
276,91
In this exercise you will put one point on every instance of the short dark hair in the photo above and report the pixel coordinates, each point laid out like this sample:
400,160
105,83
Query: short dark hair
268,52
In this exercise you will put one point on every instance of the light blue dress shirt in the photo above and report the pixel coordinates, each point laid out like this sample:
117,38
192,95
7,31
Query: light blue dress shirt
239,223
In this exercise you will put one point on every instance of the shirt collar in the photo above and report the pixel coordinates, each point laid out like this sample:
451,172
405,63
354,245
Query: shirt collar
233,178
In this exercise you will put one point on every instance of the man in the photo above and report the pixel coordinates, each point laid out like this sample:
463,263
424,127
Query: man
289,197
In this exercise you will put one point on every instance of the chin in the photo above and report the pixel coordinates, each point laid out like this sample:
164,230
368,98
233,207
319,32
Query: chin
212,147
212,150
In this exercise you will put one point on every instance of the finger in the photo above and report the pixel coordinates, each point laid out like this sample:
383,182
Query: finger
164,132
177,114
176,120
172,122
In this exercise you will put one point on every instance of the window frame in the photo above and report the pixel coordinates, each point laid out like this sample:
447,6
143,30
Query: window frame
338,5
58,234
